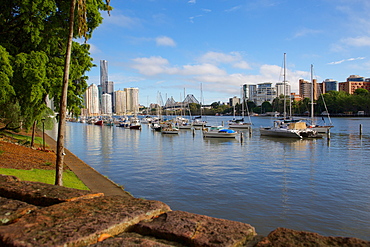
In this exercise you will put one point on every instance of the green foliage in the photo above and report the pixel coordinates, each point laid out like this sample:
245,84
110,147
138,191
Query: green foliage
28,81
194,108
362,92
33,44
266,106
70,180
6,72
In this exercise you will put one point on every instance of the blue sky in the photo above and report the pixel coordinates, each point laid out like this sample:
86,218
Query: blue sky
172,46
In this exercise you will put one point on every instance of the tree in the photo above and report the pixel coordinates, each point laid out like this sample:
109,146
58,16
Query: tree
362,92
38,29
82,31
10,111
266,107
215,105
6,72
34,34
194,108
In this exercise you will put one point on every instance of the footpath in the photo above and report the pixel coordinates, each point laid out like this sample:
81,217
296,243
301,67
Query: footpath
95,181
38,214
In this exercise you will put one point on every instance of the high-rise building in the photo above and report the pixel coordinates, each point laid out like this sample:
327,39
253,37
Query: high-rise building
106,86
92,100
354,82
329,85
103,72
234,101
106,104
304,89
120,102
245,92
264,92
280,88
132,100
252,91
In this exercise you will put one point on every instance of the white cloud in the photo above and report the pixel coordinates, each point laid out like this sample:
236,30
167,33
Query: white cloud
202,69
165,41
347,60
191,19
192,1
233,58
215,78
218,57
357,42
241,65
122,21
346,43
233,8
94,49
153,66
306,32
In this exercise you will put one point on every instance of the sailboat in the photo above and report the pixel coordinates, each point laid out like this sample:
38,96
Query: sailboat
198,121
239,123
313,125
288,127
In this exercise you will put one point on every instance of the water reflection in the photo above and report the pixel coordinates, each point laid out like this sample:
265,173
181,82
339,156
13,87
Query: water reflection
309,184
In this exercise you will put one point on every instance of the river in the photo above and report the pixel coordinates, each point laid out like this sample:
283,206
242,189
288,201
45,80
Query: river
317,185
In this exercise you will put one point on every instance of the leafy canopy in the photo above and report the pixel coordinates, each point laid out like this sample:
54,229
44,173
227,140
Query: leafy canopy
33,39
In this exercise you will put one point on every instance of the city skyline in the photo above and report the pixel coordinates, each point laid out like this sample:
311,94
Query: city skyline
161,46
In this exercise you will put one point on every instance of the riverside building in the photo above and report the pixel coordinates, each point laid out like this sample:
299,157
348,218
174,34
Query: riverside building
354,82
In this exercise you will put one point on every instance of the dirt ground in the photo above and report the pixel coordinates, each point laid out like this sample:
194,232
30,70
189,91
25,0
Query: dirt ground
21,157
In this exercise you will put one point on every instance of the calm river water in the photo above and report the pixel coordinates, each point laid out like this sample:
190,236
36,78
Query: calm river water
312,185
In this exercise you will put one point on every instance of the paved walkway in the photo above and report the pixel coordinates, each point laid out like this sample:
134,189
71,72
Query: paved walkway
88,175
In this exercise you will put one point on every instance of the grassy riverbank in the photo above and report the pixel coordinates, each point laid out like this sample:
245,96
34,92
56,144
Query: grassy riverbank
17,158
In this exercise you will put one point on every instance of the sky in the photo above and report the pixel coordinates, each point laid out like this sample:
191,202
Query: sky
210,48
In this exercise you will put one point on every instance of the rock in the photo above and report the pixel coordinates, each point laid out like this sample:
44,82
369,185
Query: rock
196,230
80,222
287,237
11,210
40,194
134,239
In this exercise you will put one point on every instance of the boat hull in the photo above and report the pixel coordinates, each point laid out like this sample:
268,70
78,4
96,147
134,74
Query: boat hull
169,131
240,126
218,135
219,132
135,127
279,132
321,129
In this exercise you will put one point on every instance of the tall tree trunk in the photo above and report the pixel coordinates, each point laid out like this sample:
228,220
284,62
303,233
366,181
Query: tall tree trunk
63,101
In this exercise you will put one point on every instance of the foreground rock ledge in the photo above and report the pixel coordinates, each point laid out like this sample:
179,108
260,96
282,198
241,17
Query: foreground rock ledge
79,223
36,214
197,230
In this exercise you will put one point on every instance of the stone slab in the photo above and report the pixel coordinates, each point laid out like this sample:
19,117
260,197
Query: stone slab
287,237
40,194
196,230
134,239
11,210
80,222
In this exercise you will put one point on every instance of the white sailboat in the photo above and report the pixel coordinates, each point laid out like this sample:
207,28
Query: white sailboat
287,127
240,123
219,132
313,125
198,121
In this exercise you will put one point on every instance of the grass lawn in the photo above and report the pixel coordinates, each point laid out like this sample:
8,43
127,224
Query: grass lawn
70,180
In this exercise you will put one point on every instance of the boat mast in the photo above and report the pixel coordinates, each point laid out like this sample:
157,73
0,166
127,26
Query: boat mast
312,95
284,78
